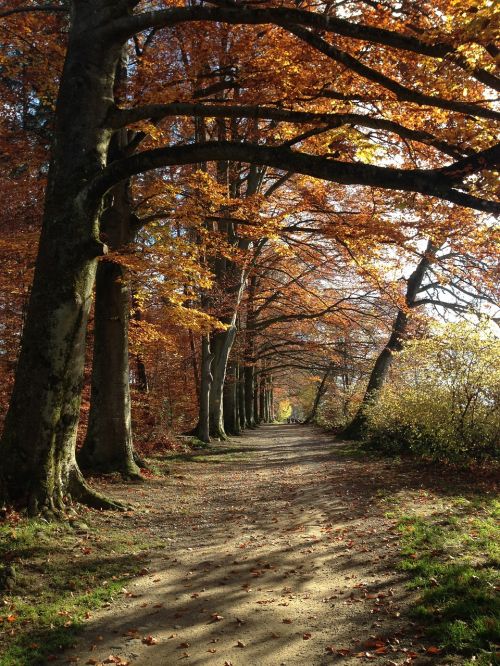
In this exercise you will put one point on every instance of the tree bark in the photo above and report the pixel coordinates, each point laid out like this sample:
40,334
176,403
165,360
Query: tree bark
221,342
378,376
108,445
41,424
231,402
203,427
242,398
319,394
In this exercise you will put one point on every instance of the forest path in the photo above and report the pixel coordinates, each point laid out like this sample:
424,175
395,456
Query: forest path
278,554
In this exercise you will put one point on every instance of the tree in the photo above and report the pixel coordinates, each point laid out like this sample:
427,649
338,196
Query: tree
40,444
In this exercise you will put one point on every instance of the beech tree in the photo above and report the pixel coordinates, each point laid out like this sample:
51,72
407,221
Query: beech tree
39,440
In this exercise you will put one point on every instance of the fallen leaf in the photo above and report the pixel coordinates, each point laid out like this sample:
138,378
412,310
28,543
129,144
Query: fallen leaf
433,650
306,636
240,644
215,617
149,640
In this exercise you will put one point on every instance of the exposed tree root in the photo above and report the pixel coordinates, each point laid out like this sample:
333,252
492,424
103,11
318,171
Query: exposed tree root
82,492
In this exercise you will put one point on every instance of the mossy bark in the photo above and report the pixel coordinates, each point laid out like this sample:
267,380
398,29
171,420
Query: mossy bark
108,446
41,424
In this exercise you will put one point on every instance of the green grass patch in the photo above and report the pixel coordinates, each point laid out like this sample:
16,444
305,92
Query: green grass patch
61,574
452,556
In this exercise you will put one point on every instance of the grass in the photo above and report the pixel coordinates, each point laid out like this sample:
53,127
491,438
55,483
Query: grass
452,557
62,574
450,549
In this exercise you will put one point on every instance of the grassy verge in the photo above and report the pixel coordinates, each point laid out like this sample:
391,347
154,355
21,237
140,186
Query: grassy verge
452,556
58,574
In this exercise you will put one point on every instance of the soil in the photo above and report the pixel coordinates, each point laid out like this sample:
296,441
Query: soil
280,554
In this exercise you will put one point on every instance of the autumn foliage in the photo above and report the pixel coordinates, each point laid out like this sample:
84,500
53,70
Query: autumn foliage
281,194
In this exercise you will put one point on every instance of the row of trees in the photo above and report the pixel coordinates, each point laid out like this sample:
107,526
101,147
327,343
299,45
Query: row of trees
246,187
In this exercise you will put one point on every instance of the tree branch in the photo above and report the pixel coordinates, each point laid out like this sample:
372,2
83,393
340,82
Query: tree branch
123,117
402,92
24,10
431,182
286,17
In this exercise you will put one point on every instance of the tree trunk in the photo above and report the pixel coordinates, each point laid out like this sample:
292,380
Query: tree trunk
249,395
242,398
108,445
249,356
256,401
221,342
355,430
41,424
203,427
231,404
262,400
319,394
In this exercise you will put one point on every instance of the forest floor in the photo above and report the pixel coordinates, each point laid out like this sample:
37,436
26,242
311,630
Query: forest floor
278,547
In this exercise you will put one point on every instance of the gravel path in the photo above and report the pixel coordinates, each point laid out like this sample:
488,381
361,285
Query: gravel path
279,554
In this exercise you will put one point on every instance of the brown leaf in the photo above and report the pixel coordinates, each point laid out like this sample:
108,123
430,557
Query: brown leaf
240,644
149,640
306,636
433,650
215,617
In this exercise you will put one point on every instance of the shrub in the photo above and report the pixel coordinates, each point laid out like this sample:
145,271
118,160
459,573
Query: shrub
443,397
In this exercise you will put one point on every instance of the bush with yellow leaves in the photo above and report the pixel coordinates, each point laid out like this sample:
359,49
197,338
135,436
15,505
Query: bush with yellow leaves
442,400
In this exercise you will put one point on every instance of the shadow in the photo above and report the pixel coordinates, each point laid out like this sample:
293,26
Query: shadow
268,559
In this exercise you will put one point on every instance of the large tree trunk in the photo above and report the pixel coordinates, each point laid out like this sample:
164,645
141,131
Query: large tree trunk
378,376
108,445
41,424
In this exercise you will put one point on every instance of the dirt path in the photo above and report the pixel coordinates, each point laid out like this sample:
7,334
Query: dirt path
281,555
